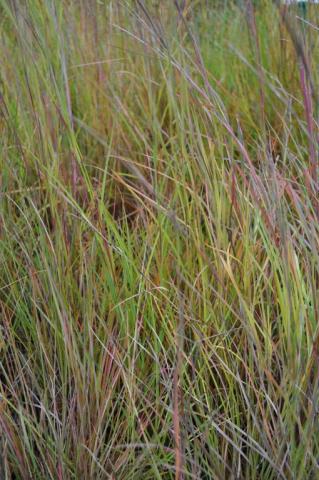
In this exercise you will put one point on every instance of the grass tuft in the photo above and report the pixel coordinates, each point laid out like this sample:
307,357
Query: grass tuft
158,240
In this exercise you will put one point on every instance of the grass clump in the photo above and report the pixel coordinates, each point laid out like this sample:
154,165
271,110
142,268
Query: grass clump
158,240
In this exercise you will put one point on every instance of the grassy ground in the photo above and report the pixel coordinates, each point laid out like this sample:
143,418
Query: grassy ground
159,260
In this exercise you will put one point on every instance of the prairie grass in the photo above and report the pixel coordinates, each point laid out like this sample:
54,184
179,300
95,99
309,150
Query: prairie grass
158,240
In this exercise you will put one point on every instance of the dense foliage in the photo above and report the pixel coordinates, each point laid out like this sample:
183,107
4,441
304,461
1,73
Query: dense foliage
159,240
